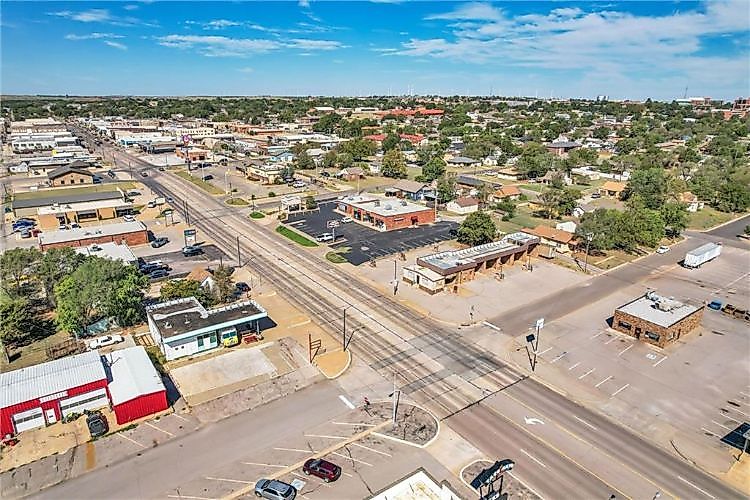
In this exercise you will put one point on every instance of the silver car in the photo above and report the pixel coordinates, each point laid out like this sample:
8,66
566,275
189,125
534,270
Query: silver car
274,490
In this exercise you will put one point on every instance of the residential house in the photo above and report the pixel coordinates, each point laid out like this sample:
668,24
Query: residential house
505,193
510,174
612,189
568,226
561,148
411,190
351,173
463,161
471,185
463,205
203,276
560,241
283,157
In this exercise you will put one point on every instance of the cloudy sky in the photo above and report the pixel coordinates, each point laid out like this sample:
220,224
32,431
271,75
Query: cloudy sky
563,48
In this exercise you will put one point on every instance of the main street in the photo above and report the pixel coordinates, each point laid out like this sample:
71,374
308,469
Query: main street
433,366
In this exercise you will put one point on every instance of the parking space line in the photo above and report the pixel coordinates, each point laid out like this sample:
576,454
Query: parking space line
721,425
295,449
189,497
131,440
626,349
587,373
611,340
180,417
662,359
745,394
158,429
356,424
618,391
740,411
598,334
558,357
351,458
573,366
547,349
325,436
346,474
347,402
372,449
600,383
694,486
532,457
265,465
229,480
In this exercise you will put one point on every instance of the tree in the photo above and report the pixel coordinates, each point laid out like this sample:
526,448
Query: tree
391,141
345,160
19,325
180,289
56,264
358,148
15,265
478,228
394,165
733,196
310,203
304,161
601,225
582,156
433,169
601,132
534,161
650,185
329,160
675,218
446,188
223,284
327,123
508,208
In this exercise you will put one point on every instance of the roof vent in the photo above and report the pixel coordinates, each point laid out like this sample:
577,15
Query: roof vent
187,320
167,324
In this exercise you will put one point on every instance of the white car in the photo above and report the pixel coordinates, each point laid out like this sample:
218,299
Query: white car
325,237
346,220
105,341
662,249
129,218
298,184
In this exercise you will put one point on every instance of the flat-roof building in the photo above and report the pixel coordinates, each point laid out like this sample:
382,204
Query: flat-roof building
447,270
63,206
111,251
183,327
385,214
131,233
657,320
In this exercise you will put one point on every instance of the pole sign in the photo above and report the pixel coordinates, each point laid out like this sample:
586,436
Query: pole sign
190,236
540,323
333,223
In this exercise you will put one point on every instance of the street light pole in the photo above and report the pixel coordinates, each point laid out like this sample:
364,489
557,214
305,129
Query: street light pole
589,237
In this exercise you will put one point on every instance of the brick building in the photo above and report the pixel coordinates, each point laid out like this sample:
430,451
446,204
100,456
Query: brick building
193,154
74,174
130,233
657,320
385,214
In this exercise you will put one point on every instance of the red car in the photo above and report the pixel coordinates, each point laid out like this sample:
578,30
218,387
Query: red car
323,469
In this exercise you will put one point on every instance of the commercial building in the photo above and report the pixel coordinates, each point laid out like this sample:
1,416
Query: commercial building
183,327
448,270
129,233
48,392
657,320
71,175
63,206
418,485
192,154
385,214
267,173
111,251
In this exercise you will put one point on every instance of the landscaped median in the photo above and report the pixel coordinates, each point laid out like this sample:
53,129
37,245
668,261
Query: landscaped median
257,215
206,186
296,237
237,202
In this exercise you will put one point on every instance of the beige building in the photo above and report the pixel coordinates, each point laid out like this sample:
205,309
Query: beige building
70,175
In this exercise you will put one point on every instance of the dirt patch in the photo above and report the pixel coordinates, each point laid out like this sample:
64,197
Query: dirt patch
413,424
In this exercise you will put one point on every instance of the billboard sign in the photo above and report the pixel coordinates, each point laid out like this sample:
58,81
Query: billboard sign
190,236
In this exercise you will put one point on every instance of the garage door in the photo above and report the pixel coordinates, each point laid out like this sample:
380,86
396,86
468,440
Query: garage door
29,419
89,401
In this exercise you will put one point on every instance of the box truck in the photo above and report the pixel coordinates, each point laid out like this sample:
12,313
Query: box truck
701,255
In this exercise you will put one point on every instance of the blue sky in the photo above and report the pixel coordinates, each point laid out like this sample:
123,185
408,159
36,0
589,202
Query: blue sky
570,49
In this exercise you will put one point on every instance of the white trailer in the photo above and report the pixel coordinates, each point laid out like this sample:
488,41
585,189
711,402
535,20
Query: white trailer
701,255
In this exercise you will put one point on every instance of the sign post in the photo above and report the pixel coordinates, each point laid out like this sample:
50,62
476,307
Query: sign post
332,225
190,236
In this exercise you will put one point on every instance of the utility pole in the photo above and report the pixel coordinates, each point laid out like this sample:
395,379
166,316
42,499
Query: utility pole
589,237
344,342
396,394
239,260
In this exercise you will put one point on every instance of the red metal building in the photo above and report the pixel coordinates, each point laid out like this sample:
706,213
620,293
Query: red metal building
136,389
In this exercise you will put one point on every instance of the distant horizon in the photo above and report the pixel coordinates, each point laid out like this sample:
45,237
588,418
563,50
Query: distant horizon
578,49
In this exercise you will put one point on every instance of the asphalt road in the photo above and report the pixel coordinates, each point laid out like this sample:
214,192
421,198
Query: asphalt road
433,365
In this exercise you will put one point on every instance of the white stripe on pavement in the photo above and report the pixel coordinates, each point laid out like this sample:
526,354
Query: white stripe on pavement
587,373
532,457
600,383
372,449
618,391
347,402
709,495
578,363
584,422
265,465
352,459
626,349
229,480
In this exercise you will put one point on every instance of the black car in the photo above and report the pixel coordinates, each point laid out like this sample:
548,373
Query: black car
159,242
189,251
162,169
111,173
241,286
144,173
158,273
97,424
325,174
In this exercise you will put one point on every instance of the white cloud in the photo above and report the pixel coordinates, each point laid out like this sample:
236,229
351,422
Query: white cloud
246,69
102,16
130,7
116,45
218,24
220,46
307,44
305,4
92,36
471,12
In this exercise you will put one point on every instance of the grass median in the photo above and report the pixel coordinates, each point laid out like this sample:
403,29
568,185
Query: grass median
237,202
257,215
297,238
206,186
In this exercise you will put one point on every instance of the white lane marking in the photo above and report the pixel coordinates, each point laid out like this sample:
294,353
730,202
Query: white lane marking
618,391
352,459
189,497
740,411
721,425
710,432
611,340
346,474
626,349
584,422
525,485
308,479
158,429
356,424
587,373
372,449
547,349
578,363
709,495
496,328
131,440
597,334
265,465
745,394
658,362
180,417
295,449
229,480
558,358
324,436
532,457
600,383
347,402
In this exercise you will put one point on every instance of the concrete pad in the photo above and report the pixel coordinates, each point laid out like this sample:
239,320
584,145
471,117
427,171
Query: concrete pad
453,451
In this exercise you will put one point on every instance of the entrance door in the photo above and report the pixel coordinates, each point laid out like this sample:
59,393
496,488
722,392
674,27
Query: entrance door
29,419
638,332
50,415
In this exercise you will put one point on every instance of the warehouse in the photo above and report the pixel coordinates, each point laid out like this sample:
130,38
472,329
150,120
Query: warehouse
385,214
447,270
130,233
48,392
183,327
657,320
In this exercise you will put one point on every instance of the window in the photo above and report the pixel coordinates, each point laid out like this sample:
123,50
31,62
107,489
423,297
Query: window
653,336
624,324
80,180
62,181
200,341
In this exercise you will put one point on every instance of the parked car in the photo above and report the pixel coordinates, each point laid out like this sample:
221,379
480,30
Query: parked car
189,251
96,179
75,225
112,174
298,184
63,227
144,173
129,218
715,305
596,195
241,286
162,169
325,174
151,204
325,237
170,199
21,224
159,242
158,273
662,249
346,220
325,470
97,424
105,341
25,233
36,232
274,490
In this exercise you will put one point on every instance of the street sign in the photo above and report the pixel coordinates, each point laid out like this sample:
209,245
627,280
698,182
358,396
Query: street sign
530,338
333,223
540,323
190,236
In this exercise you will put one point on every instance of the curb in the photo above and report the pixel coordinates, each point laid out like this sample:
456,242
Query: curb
340,372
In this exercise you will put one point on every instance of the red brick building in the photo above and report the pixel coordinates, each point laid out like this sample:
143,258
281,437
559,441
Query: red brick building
657,320
132,233
385,214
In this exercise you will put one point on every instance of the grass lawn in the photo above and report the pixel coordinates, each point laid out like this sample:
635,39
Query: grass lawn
295,237
206,186
612,258
241,202
523,218
708,218
412,172
335,257
257,215
33,353
92,188
532,187
507,226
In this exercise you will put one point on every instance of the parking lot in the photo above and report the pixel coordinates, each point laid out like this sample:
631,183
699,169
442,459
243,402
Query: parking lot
365,243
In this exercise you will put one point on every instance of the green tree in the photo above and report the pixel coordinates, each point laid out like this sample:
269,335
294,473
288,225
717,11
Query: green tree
601,225
394,165
19,324
15,266
446,188
733,196
223,284
433,169
478,228
304,161
310,203
358,148
675,218
650,185
180,289
345,160
327,123
601,132
329,160
55,265
391,141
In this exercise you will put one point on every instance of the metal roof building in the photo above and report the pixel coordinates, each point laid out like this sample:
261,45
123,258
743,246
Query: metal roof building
136,389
